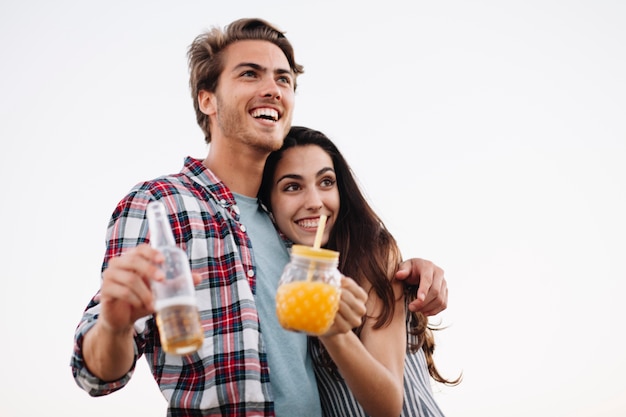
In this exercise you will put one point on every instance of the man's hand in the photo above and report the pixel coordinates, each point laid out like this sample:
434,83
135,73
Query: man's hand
126,294
432,292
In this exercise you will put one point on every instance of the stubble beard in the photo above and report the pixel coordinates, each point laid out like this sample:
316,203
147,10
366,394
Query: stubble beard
236,127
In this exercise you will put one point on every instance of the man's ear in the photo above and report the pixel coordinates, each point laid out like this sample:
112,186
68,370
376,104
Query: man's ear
206,102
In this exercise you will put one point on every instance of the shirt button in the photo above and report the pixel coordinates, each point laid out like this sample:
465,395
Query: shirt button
222,202
236,209
250,273
242,227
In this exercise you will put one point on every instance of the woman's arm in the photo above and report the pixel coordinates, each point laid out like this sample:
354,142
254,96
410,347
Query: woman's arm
373,365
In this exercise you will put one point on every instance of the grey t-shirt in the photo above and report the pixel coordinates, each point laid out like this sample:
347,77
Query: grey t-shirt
291,368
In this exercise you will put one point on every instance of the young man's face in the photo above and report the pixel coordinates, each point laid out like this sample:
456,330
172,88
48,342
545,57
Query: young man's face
303,188
254,101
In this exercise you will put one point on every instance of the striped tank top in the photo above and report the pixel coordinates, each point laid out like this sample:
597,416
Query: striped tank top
338,401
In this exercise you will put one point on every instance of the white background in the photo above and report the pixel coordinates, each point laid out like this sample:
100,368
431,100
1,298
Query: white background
489,135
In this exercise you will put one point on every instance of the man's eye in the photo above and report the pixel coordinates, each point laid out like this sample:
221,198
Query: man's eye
285,80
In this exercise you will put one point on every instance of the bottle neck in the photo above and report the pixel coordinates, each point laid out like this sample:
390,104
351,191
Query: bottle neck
159,226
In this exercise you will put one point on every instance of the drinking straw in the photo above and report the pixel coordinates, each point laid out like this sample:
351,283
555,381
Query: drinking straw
317,243
320,231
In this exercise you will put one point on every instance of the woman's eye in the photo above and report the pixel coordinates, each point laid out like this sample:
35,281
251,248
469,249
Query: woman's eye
328,182
291,187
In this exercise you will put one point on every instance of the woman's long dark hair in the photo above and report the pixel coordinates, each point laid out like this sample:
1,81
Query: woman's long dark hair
366,247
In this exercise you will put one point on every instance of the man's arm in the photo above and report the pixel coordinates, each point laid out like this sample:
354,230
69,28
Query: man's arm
125,296
108,354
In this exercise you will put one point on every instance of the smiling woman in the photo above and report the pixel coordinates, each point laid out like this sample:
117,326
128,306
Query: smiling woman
391,352
305,188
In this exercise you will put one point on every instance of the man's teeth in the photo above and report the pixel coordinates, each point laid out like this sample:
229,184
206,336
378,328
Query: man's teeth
265,113
309,223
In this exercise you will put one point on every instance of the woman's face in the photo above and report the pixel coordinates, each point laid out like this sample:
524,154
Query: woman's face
304,187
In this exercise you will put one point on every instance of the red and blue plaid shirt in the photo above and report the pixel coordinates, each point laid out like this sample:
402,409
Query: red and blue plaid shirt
229,375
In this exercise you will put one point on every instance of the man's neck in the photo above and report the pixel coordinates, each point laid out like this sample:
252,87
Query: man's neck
240,170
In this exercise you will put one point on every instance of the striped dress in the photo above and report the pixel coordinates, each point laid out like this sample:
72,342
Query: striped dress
338,401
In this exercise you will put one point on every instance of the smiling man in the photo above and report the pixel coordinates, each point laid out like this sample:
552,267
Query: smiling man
243,82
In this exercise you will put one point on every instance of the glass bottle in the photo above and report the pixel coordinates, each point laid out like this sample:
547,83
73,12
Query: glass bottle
308,292
177,314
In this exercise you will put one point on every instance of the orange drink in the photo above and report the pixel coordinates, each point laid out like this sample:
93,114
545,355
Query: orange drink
305,306
308,293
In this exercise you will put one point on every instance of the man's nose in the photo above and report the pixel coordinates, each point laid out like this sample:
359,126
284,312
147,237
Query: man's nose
271,89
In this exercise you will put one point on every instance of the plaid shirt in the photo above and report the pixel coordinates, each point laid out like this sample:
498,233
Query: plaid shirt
229,375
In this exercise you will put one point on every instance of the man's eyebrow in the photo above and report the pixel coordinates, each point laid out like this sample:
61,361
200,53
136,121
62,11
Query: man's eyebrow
283,71
258,67
248,65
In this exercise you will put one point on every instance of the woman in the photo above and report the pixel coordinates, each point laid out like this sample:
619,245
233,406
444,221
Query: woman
381,368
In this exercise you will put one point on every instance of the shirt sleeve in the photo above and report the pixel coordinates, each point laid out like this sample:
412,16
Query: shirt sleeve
90,383
127,228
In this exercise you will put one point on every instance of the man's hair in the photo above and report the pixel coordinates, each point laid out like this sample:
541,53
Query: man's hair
206,62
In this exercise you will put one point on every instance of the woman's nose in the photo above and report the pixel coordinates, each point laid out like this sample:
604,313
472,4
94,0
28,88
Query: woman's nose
313,202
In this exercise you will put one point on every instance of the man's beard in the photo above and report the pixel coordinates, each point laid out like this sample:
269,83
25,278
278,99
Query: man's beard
230,122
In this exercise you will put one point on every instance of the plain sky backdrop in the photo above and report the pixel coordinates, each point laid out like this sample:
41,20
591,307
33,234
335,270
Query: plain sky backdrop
489,135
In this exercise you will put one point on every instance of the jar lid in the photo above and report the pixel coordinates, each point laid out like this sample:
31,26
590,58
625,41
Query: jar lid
315,253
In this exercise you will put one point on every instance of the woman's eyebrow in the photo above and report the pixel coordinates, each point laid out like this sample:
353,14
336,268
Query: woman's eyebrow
289,176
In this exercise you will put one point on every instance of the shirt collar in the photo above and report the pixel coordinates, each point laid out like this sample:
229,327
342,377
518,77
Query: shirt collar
200,174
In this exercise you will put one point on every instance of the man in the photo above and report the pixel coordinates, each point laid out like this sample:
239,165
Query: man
243,83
